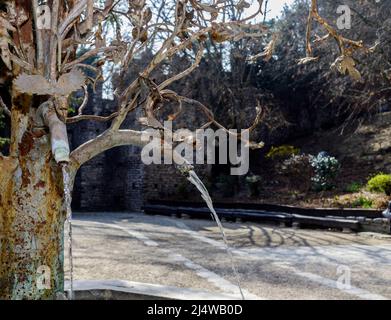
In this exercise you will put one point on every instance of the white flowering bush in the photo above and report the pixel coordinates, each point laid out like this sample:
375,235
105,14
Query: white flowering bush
326,170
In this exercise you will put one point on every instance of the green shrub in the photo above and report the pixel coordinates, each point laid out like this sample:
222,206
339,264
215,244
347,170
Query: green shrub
354,187
284,151
363,202
380,183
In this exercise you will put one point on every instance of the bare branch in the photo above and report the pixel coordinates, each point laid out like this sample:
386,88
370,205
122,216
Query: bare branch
4,107
89,54
109,140
22,63
54,41
126,108
38,34
85,101
185,72
105,141
74,14
332,32
90,14
91,117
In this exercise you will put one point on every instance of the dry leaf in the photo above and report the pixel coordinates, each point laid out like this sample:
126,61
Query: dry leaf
37,84
17,18
210,9
219,36
150,122
5,26
147,16
136,4
346,64
4,23
100,42
70,82
254,145
267,52
307,60
242,4
32,84
5,52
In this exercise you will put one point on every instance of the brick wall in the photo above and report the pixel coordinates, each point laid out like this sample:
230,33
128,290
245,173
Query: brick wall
112,181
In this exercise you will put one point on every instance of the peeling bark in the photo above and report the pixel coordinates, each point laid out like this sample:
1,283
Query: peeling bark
31,225
31,192
31,212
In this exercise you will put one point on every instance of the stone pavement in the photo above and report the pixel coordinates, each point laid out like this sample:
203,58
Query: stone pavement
273,262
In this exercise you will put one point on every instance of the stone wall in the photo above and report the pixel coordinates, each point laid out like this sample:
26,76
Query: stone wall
112,181
117,180
165,182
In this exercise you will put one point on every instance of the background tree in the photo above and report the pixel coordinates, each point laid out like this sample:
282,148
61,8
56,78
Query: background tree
314,96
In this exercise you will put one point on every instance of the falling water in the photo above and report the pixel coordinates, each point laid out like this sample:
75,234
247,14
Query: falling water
68,201
195,180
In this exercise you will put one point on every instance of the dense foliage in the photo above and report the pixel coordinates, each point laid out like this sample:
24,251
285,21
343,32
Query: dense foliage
380,183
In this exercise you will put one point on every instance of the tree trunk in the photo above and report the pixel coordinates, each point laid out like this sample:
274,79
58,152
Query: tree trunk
31,222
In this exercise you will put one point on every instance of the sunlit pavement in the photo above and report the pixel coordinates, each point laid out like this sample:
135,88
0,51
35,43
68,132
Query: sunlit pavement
273,262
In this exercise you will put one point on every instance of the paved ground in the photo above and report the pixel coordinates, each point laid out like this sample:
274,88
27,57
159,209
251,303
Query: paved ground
273,262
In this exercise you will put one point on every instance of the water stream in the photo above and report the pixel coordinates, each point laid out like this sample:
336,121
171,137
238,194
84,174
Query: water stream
68,202
196,181
191,176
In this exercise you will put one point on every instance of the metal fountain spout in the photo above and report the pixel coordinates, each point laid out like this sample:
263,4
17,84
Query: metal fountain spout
48,117
52,114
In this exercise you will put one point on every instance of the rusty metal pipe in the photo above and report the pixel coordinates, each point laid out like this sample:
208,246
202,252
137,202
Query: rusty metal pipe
58,132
